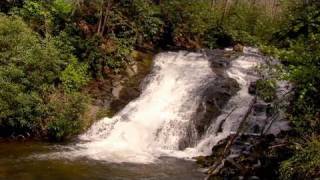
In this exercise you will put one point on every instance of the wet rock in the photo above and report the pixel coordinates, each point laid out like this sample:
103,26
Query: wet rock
203,161
247,158
259,108
252,88
270,110
215,97
116,91
238,48
132,69
20,137
219,64
254,154
220,59
256,129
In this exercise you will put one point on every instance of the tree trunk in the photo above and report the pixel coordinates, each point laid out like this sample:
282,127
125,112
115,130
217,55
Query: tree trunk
105,18
100,18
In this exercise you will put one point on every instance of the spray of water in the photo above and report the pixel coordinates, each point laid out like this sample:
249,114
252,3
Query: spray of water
152,125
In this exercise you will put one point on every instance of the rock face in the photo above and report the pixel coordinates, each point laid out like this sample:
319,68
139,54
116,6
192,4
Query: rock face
213,97
253,152
118,89
252,88
249,157
131,79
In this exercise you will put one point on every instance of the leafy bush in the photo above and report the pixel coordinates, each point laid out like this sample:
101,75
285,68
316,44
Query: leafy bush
147,18
36,15
249,23
266,89
74,76
305,164
28,67
29,74
65,115
63,7
297,45
188,21
301,60
48,17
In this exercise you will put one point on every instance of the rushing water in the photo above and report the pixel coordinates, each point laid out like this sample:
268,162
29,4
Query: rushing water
142,140
154,124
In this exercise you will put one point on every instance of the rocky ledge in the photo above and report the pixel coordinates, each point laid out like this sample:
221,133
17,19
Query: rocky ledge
259,144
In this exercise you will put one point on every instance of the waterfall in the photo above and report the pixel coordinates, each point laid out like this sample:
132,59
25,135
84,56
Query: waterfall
154,124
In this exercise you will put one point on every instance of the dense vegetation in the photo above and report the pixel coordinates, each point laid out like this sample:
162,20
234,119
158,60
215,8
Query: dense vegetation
297,44
50,50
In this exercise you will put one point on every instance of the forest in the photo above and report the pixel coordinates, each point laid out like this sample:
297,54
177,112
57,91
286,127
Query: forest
54,52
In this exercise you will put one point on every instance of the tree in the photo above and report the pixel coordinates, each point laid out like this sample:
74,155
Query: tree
29,75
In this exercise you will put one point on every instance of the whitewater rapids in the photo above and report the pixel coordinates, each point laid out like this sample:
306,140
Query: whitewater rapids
152,125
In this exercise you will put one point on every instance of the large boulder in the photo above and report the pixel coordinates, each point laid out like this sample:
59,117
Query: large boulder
214,97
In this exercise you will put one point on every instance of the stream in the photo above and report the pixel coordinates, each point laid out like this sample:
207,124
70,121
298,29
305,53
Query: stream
18,161
180,113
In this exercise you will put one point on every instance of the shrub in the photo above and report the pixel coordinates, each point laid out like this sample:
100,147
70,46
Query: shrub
29,74
65,115
188,21
305,164
64,7
147,18
266,89
249,24
74,76
28,67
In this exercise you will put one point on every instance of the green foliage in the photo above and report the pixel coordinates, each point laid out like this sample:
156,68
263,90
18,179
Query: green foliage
36,14
297,45
188,20
302,68
301,21
147,19
29,73
195,23
74,76
266,89
305,164
217,37
46,17
65,115
249,24
64,7
189,16
27,67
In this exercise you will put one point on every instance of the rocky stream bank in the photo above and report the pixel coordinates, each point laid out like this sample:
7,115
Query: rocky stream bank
256,148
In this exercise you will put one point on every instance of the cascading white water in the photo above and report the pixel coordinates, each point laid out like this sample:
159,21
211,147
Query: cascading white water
157,120
152,125
242,70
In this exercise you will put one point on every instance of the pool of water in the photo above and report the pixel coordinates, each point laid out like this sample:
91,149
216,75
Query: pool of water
19,161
